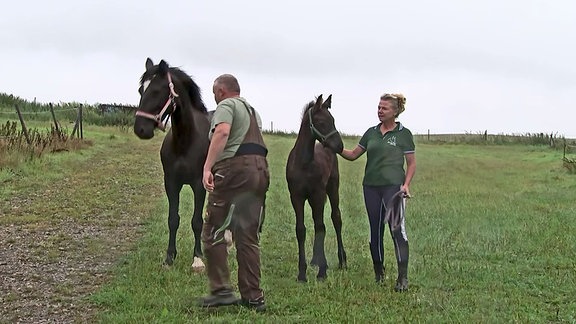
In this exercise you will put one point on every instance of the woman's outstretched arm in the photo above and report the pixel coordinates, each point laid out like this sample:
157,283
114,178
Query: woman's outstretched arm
352,155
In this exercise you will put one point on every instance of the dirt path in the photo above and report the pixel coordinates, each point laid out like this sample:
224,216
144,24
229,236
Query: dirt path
60,241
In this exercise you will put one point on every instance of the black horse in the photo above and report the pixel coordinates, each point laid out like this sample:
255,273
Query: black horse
312,173
168,92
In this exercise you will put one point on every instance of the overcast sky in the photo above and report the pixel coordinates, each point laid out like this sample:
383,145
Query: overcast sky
506,66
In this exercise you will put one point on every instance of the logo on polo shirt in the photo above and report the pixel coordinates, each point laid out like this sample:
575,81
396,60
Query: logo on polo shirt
391,141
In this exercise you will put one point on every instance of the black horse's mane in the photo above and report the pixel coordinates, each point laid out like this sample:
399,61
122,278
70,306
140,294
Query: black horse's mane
189,84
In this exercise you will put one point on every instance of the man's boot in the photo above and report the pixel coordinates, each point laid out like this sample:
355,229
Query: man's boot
223,297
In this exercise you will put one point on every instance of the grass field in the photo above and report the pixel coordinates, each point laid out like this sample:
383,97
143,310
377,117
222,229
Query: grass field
491,229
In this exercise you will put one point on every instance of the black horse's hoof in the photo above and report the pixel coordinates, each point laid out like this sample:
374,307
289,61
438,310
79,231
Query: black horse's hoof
302,279
321,277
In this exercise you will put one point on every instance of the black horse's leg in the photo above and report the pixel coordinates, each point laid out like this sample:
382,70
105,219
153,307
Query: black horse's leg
317,201
333,195
173,188
298,205
197,221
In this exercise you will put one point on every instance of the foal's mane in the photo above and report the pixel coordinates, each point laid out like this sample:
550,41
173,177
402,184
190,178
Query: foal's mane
189,84
307,107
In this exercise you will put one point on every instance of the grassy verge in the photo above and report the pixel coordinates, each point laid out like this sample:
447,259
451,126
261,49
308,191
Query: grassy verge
67,218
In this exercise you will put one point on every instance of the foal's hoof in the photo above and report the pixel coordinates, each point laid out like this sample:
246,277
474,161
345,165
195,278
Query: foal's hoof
169,261
321,277
315,261
198,265
302,279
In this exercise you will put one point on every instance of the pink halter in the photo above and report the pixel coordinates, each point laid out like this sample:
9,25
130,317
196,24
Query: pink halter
158,118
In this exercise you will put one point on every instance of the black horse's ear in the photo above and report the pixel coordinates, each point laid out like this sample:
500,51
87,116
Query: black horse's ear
327,103
163,67
149,64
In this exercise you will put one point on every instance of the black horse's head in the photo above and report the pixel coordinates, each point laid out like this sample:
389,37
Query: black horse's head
157,99
322,124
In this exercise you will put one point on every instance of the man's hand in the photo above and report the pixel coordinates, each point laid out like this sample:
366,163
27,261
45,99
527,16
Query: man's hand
219,139
208,180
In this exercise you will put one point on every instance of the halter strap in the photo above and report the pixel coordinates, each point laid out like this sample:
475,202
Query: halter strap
321,137
171,100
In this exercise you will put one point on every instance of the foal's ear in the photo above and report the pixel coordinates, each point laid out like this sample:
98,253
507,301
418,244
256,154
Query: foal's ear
163,67
327,103
318,103
149,64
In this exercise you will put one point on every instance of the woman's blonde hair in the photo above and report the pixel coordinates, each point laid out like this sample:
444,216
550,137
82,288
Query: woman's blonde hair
397,99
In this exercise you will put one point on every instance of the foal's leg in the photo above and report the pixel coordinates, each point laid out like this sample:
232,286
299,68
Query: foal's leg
317,201
333,195
173,188
196,222
298,205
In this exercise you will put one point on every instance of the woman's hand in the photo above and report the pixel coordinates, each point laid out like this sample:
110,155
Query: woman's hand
406,190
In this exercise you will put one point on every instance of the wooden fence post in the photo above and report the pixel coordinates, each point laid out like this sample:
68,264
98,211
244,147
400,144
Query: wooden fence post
81,130
76,122
24,130
428,135
54,118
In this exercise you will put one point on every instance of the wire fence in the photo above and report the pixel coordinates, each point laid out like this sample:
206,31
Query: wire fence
13,113
552,139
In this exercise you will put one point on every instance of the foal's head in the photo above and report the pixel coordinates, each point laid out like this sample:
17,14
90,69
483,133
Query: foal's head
157,99
322,124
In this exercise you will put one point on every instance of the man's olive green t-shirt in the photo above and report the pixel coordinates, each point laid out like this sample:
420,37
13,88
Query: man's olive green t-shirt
233,111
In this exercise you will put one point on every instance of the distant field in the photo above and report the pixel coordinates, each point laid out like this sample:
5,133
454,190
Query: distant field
550,139
491,228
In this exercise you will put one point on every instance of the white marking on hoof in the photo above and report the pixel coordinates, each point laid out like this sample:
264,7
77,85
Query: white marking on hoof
229,240
198,265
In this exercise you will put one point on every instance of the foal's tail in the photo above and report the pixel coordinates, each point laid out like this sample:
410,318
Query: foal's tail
395,210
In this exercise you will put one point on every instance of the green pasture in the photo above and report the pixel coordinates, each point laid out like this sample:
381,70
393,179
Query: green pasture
491,229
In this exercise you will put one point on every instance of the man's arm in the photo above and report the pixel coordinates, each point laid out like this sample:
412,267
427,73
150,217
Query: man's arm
217,144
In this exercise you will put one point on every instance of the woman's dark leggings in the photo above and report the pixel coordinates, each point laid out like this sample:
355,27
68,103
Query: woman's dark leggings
376,198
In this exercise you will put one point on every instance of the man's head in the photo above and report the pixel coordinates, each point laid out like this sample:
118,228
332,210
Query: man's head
225,86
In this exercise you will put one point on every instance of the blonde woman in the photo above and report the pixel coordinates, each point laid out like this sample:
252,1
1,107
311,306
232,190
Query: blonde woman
388,146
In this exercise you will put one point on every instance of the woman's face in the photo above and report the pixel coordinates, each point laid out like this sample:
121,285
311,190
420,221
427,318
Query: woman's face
386,111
